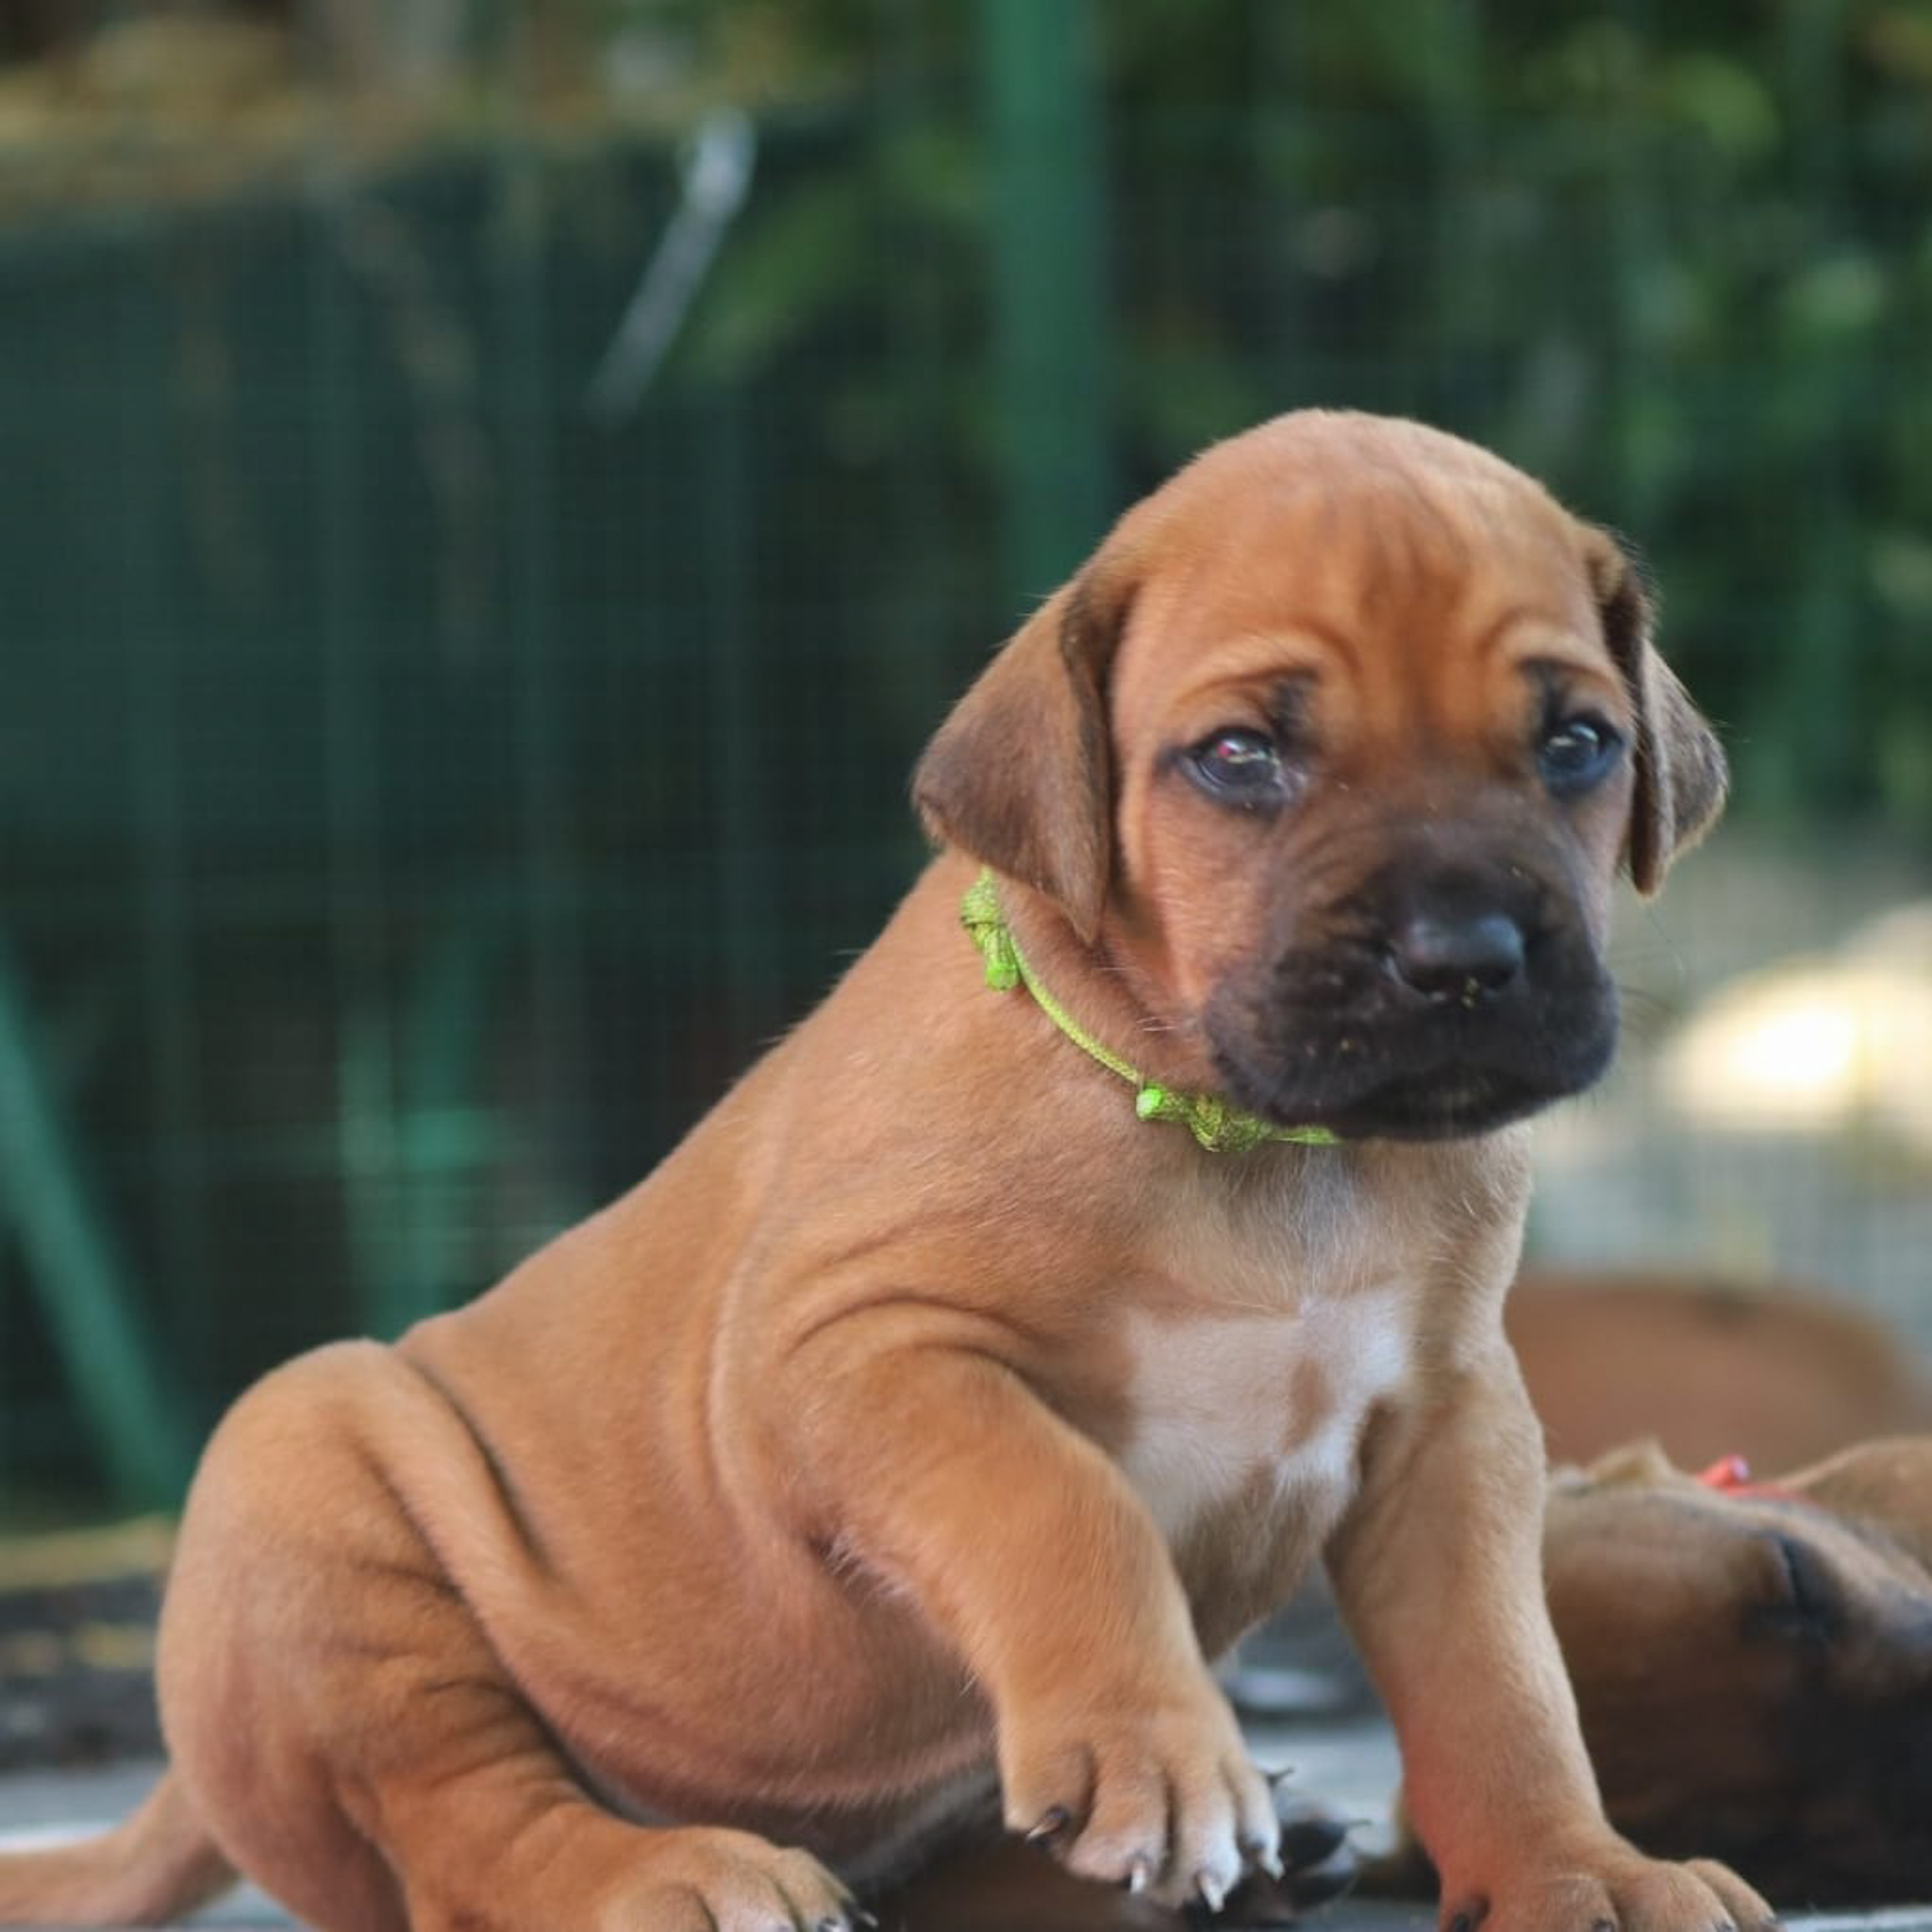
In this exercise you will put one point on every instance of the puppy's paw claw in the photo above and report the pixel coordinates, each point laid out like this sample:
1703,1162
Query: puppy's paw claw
1264,1858
1050,1826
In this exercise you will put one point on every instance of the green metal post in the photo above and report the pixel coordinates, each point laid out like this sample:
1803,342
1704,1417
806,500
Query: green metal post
1053,375
84,1286
1814,699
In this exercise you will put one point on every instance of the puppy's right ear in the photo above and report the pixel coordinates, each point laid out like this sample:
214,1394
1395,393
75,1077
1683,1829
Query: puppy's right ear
1020,775
1681,774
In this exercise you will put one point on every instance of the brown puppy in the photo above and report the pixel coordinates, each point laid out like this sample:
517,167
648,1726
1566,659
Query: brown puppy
1754,1664
893,1459
1708,1367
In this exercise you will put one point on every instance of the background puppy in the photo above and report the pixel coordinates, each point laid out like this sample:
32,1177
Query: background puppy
894,1459
1708,1367
1752,1662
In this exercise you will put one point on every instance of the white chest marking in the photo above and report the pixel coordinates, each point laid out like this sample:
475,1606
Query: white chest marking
1219,1401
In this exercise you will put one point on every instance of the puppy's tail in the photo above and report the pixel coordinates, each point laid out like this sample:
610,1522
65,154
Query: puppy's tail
156,1867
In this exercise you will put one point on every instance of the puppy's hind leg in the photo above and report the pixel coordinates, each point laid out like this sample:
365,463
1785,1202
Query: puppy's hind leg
156,1867
344,1722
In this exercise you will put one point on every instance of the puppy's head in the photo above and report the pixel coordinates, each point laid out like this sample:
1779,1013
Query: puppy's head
1754,1670
1333,749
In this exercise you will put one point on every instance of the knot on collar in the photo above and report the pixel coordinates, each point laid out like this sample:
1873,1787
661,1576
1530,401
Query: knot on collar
1219,1127
980,914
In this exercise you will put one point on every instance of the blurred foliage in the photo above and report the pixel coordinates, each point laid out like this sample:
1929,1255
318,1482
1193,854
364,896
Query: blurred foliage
1678,261
394,749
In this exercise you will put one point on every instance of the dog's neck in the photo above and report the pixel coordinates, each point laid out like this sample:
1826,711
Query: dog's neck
1217,1123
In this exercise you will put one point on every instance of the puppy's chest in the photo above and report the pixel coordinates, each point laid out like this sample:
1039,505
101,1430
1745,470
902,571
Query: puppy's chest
1246,1423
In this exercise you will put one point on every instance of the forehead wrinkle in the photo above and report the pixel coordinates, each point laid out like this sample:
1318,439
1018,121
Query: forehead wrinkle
1372,516
1488,643
1528,642
1555,660
1376,548
1297,648
1415,546
1431,587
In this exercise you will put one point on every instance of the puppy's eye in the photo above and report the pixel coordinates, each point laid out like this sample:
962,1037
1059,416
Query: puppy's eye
1239,767
1806,1603
1575,753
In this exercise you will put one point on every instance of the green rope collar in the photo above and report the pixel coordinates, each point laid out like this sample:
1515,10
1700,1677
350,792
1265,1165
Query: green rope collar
1219,1127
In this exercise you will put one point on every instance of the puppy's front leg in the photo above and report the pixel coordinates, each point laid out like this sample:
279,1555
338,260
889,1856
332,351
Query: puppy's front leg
1438,1569
932,1461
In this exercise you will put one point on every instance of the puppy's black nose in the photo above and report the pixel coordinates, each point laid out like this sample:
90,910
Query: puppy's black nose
1467,957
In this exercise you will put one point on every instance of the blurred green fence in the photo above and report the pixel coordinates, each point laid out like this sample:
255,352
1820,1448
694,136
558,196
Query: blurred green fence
418,797
419,800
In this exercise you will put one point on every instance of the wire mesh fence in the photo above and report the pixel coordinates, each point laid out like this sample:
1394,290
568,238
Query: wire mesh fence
426,779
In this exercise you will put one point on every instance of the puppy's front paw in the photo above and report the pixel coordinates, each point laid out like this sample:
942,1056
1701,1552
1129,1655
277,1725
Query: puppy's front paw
1147,1789
710,1880
1618,1890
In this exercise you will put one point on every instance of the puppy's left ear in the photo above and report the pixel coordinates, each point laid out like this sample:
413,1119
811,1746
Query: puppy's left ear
1680,768
1021,774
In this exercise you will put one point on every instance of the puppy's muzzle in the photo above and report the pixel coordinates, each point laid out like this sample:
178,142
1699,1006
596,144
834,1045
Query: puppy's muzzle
1438,999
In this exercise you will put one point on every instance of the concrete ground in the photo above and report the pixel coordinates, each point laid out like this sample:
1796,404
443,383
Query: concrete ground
1352,1767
